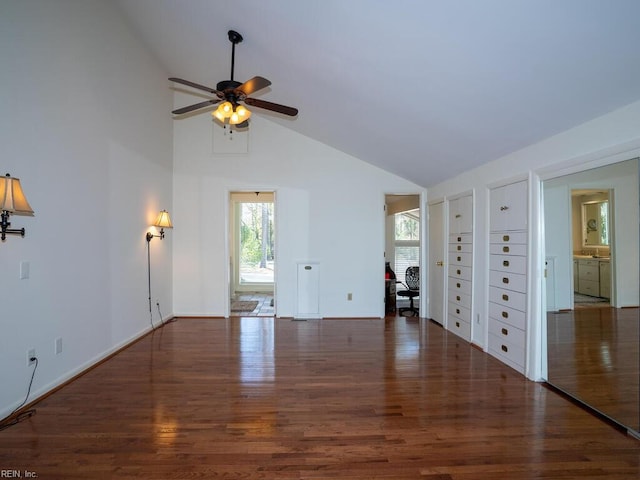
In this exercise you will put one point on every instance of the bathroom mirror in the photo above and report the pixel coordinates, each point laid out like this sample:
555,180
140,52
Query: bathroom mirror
595,221
593,289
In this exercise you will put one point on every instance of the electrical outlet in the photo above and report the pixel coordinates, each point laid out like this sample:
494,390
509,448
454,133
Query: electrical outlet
58,347
349,296
31,354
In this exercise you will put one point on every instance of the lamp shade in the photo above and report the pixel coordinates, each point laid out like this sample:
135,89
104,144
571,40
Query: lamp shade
163,220
12,197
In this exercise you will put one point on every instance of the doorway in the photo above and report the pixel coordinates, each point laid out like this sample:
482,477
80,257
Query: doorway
592,219
252,254
402,251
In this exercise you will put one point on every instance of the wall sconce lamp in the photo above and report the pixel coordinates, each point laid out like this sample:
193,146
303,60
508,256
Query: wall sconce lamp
12,202
163,221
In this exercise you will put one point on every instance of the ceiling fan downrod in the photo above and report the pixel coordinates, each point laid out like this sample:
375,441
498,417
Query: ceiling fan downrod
234,38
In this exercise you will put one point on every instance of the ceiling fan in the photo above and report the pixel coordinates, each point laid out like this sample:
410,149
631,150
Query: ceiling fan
231,93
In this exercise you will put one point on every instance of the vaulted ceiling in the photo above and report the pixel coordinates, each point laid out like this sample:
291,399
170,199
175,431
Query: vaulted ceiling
424,89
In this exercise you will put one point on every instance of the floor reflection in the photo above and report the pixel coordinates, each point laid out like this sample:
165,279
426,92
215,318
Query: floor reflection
593,354
257,350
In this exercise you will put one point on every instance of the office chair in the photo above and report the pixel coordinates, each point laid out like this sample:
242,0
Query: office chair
412,286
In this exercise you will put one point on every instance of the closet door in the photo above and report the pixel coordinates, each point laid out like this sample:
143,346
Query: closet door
460,268
508,275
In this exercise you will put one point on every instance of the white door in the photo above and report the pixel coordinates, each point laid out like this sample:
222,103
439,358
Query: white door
436,267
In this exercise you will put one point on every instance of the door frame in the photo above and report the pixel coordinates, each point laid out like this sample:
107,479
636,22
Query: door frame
421,247
229,206
443,253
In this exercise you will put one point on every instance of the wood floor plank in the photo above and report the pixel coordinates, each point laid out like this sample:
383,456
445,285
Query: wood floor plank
259,398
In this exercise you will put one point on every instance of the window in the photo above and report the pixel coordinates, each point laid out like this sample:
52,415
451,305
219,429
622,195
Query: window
407,242
256,242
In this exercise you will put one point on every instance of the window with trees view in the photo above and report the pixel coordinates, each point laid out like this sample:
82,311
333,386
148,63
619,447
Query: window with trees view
407,242
256,242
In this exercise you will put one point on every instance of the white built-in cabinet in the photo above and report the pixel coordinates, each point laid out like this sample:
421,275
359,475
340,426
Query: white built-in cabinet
589,277
508,274
508,207
605,279
460,266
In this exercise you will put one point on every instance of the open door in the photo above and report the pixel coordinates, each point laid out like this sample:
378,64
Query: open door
436,262
252,249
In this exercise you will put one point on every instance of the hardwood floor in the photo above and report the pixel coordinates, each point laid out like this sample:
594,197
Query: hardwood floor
258,398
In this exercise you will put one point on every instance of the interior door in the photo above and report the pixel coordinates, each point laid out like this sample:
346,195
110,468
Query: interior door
436,262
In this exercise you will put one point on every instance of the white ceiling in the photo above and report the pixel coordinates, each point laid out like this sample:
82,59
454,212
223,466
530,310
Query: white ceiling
424,89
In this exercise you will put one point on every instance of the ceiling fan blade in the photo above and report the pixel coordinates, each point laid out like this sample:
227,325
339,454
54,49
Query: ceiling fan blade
196,85
253,85
244,124
196,106
271,106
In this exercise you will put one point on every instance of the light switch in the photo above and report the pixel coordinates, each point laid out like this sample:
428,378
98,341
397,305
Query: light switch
24,270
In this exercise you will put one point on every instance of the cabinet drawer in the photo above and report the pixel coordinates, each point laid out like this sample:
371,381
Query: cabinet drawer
508,263
507,352
459,298
515,318
459,312
509,238
504,249
508,333
508,298
460,238
588,263
588,272
459,327
458,271
459,258
508,281
457,285
461,247
588,287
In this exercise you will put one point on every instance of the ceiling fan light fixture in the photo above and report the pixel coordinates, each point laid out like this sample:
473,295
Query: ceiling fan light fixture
234,119
243,112
224,111
218,114
226,108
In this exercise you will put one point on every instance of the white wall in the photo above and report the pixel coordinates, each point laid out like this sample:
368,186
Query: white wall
607,139
329,209
85,125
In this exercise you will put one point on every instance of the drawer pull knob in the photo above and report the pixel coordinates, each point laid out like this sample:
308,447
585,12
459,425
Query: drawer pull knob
459,239
505,238
459,259
458,272
505,263
505,249
458,215
504,348
458,311
459,247
505,331
505,297
458,324
505,280
458,298
457,285
505,314
504,208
